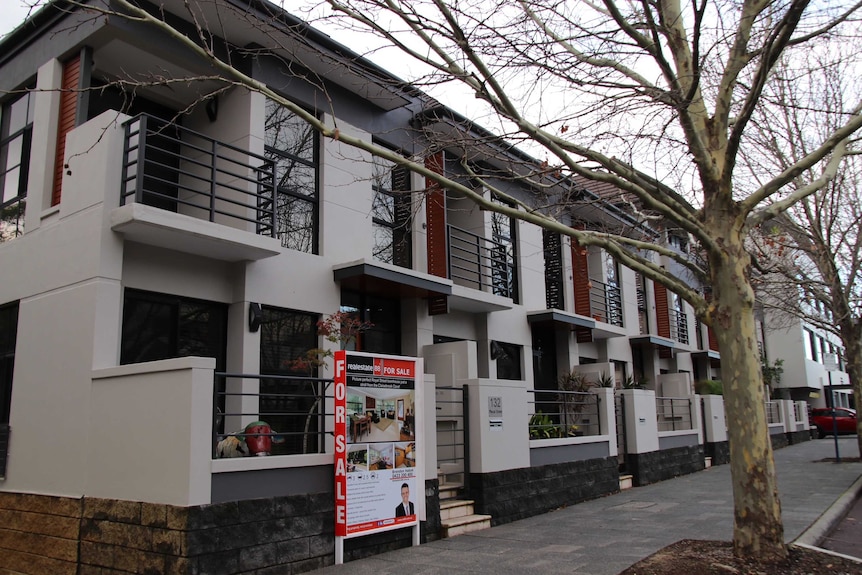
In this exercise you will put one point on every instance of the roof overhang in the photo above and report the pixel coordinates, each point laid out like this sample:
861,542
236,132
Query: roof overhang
656,341
558,317
388,280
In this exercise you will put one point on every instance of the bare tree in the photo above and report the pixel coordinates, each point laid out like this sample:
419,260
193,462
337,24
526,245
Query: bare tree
652,98
811,256
672,89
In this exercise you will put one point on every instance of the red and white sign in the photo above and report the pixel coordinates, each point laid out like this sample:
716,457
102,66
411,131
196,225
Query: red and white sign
379,484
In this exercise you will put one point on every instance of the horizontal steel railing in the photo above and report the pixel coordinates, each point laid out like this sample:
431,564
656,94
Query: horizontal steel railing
674,413
773,412
678,326
606,303
181,170
480,263
294,408
558,414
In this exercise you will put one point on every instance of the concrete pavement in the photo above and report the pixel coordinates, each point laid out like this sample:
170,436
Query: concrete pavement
606,535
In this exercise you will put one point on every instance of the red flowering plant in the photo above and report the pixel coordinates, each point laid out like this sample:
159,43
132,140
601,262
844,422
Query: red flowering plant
341,327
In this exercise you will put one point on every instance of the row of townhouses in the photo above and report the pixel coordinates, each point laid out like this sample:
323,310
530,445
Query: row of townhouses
176,246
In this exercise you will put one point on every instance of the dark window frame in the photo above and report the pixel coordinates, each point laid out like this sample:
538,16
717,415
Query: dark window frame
12,207
287,192
174,333
391,182
8,341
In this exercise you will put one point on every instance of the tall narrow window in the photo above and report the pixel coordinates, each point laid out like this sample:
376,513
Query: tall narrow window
16,126
292,144
391,213
290,406
504,278
613,293
8,338
553,252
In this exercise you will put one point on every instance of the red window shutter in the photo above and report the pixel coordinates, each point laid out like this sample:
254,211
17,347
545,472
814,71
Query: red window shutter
581,281
435,212
581,278
662,319
68,106
713,342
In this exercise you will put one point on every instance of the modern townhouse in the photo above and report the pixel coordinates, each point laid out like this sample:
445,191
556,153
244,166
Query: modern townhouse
172,246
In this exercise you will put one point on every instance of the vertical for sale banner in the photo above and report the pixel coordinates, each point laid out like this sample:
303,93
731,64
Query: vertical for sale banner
377,481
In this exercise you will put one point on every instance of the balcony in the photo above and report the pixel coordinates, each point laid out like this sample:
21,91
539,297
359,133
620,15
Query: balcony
480,264
678,326
606,303
185,191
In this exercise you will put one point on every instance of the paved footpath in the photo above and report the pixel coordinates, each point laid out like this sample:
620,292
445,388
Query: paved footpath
606,535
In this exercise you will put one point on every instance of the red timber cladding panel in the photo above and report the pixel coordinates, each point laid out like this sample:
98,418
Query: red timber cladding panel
662,316
581,279
713,342
68,107
435,211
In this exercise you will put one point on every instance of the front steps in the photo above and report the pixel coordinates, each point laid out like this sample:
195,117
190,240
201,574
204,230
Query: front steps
457,518
457,515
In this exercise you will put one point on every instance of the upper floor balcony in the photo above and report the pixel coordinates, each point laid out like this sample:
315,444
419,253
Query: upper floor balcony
479,263
186,191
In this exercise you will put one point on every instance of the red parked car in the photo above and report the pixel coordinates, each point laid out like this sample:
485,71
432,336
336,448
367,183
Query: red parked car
845,420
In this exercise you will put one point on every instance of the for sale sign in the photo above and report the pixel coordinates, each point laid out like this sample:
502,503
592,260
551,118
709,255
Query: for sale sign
378,479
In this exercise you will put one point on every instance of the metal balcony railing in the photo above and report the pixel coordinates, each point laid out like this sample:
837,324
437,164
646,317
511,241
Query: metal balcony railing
606,303
480,263
678,326
292,407
673,413
179,170
558,414
773,413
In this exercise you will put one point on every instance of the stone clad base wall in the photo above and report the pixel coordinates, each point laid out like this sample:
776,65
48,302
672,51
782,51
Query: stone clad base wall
794,437
664,464
518,493
44,535
779,440
39,534
719,451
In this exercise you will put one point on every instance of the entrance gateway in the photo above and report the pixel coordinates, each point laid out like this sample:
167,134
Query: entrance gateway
379,447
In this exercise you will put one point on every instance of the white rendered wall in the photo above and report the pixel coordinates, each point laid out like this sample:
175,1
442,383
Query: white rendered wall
149,436
67,319
497,448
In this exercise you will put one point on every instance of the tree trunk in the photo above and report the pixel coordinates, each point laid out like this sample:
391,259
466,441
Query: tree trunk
757,528
851,335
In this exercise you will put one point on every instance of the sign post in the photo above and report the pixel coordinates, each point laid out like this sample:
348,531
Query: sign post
379,457
830,362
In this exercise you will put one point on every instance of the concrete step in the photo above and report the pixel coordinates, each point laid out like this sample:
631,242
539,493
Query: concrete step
467,524
626,482
450,490
453,508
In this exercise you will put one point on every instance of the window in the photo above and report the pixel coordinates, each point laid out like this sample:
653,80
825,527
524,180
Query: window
384,314
391,213
809,340
8,338
290,407
503,254
161,326
16,126
292,144
554,290
613,293
508,358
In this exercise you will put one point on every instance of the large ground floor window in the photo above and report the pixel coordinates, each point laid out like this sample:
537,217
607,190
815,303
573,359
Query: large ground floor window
291,405
8,338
